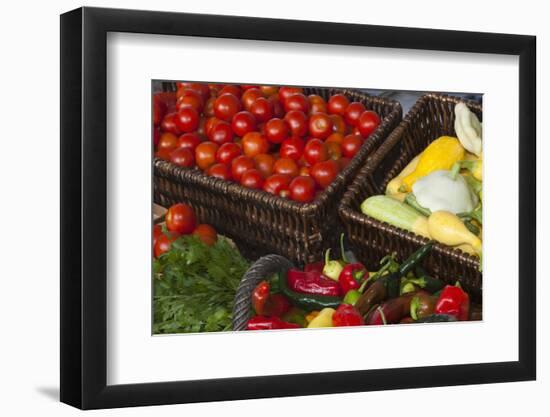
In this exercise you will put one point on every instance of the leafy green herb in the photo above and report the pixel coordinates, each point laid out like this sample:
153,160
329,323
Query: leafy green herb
194,286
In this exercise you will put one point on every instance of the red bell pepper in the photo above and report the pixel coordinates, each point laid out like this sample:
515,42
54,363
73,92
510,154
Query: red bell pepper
454,302
269,323
268,304
312,282
346,315
352,276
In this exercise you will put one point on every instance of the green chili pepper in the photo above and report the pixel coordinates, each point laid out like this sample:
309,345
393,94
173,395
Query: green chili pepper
414,259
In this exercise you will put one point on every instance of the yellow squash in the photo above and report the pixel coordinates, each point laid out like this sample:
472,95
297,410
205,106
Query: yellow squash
447,228
323,319
442,153
393,186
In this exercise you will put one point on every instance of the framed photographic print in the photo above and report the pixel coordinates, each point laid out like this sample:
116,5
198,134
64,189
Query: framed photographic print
258,208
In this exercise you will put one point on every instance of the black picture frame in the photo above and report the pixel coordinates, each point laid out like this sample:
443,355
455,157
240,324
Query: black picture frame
84,207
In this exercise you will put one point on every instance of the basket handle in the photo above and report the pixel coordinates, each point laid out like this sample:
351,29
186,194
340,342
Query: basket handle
262,268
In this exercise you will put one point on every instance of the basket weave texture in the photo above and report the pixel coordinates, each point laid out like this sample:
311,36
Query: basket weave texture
431,117
261,223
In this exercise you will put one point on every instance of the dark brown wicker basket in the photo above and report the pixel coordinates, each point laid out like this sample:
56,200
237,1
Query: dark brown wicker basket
432,116
261,223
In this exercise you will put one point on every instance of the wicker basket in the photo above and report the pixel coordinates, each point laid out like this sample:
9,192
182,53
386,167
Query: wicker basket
261,223
432,116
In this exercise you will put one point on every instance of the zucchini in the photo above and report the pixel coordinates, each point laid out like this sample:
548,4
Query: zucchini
396,213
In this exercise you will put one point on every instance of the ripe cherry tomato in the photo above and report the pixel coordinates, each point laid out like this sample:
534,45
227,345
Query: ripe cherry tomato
286,92
250,96
208,109
206,233
252,179
221,133
221,171
304,171
278,110
231,89
320,125
183,157
167,141
276,183
180,218
189,141
262,109
325,172
264,163
297,122
368,122
157,231
296,102
201,88
334,150
286,166
163,243
276,130
187,120
190,99
226,106
353,112
243,122
168,124
335,137
245,87
337,104
240,165
205,155
292,148
228,152
159,110
302,189
338,124
269,90
315,151
254,143
351,145
163,154
317,104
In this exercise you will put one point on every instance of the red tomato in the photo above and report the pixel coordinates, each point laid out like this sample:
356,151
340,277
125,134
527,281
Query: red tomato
278,110
325,172
335,137
206,233
190,99
183,157
286,92
351,145
296,102
276,183
209,125
353,112
302,189
368,122
163,243
292,148
221,133
304,172
334,150
168,124
245,87
167,141
243,122
337,104
159,110
297,122
163,154
228,152
315,151
269,90
250,96
209,107
157,231
286,166
205,155
189,141
240,165
180,218
320,125
264,163
262,109
252,179
221,171
254,144
187,120
226,106
231,89
317,104
276,130
201,88
338,124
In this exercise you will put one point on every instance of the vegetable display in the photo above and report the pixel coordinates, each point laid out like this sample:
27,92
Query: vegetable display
438,195
274,139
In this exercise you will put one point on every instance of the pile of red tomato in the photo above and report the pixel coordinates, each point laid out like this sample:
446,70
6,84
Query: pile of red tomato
180,220
263,137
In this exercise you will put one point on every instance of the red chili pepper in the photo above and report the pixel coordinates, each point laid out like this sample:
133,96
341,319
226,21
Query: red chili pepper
260,296
454,302
346,315
312,282
352,276
268,304
315,267
269,323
